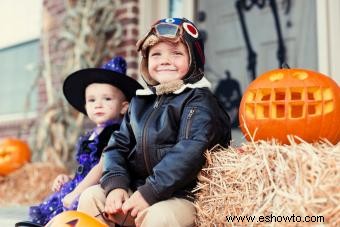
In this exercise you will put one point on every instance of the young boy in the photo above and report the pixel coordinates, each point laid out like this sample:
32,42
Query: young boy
151,163
103,94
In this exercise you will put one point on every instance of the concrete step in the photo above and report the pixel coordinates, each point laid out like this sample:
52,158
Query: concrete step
10,215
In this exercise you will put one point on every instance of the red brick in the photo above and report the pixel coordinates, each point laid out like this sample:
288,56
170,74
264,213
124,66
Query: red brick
120,12
132,65
135,10
128,1
126,21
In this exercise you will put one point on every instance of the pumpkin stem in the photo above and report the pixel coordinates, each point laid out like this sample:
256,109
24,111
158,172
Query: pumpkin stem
285,66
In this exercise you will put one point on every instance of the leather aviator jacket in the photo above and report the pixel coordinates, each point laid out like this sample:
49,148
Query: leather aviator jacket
159,149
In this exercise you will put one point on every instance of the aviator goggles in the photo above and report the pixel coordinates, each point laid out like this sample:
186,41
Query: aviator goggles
167,30
173,27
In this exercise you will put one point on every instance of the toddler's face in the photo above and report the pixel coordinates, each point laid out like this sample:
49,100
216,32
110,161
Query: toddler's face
104,102
168,61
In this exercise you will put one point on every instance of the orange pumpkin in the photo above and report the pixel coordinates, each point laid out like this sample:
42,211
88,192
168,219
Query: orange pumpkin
297,102
75,219
14,153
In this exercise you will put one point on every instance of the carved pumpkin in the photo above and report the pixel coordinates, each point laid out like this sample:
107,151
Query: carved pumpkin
297,102
14,153
74,219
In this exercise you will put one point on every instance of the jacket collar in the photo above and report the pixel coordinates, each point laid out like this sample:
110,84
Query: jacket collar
203,83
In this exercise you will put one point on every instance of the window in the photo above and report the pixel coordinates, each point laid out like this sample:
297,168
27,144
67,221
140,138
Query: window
18,70
19,57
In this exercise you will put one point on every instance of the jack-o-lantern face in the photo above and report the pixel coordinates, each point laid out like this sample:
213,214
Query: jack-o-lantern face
291,102
73,218
14,153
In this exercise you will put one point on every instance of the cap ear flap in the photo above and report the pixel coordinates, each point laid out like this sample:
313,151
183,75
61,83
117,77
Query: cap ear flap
140,42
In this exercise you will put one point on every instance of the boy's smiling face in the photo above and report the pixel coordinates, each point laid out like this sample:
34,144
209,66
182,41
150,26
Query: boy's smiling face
168,61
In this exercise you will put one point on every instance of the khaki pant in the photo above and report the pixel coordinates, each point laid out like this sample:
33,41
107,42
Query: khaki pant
172,212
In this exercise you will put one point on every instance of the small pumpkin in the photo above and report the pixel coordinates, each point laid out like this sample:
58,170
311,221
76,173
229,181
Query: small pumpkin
288,101
14,153
74,218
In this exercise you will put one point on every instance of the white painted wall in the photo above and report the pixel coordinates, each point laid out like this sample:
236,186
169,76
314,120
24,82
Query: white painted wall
20,21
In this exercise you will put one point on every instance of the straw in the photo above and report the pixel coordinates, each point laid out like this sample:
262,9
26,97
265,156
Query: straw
29,184
266,178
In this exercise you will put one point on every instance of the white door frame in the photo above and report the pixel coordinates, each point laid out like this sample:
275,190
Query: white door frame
328,36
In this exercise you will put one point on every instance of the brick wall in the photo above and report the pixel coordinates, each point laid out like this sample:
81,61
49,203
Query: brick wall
15,128
128,16
53,12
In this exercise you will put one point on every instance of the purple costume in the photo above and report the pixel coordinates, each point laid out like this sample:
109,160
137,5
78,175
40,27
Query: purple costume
88,155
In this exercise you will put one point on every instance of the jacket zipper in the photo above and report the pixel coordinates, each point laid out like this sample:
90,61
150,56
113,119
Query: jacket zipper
191,112
146,151
155,106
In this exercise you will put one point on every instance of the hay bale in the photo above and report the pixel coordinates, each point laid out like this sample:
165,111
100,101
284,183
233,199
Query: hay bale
29,184
264,178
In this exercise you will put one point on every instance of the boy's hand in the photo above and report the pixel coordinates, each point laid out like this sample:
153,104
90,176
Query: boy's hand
69,198
135,204
59,181
115,200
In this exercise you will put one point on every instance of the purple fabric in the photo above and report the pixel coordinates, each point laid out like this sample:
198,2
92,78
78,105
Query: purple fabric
87,156
117,64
